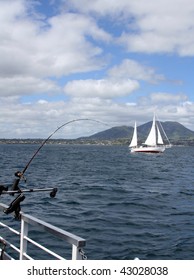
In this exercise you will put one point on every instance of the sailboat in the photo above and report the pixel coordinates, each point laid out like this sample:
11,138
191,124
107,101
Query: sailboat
154,142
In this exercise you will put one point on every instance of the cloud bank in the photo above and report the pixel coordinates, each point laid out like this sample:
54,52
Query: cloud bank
62,60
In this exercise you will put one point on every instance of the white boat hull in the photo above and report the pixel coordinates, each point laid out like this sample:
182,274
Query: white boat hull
156,149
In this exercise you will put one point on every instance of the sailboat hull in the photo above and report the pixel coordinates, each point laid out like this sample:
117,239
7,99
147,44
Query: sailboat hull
154,150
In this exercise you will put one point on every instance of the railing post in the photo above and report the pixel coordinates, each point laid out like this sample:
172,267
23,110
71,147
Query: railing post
23,242
76,253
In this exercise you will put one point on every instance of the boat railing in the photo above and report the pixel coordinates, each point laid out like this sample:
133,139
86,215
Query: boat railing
77,243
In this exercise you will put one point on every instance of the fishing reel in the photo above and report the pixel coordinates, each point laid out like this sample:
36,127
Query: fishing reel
53,192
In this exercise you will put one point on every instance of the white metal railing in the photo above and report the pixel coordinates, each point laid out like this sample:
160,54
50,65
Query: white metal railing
77,242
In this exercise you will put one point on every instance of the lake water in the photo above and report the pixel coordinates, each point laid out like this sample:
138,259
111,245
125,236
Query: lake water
125,205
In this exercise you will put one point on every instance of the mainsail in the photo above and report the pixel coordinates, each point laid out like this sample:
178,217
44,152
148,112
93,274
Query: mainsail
151,139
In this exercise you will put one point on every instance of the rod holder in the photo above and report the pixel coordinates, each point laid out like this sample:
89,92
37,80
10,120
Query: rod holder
15,206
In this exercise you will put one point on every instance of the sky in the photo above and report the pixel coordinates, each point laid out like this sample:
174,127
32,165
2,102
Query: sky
116,62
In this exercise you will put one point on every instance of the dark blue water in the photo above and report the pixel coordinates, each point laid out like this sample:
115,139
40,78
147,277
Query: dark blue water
125,205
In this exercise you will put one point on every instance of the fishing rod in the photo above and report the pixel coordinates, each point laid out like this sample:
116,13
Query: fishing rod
15,205
44,142
20,174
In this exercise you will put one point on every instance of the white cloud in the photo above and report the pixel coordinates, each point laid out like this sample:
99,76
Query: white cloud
21,85
57,46
162,27
134,70
163,99
66,47
153,26
100,88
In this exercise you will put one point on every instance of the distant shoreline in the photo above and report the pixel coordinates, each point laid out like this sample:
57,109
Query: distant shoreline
85,141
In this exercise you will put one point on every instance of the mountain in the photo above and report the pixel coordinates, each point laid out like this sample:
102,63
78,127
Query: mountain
113,133
174,130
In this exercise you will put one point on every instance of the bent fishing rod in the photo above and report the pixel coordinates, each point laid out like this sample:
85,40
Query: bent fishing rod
20,174
15,204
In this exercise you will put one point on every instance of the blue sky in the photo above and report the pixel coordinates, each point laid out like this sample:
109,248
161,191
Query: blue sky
113,61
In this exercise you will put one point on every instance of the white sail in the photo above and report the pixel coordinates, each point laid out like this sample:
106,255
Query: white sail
151,139
160,140
134,138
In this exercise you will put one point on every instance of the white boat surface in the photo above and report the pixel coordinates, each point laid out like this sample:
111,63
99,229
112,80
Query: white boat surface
154,142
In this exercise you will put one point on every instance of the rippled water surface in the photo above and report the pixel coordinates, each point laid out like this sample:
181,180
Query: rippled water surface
125,205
